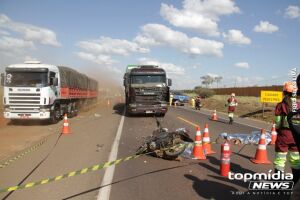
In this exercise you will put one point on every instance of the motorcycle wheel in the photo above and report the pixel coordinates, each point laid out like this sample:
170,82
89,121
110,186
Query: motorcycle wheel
173,153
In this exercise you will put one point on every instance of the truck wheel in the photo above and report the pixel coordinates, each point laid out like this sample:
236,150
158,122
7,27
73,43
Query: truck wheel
55,115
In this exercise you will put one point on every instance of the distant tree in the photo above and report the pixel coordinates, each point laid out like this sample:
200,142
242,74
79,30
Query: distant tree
207,80
218,79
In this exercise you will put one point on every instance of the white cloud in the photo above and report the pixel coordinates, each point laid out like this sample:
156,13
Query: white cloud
170,68
99,59
176,72
158,34
107,45
292,12
13,45
236,37
213,75
265,27
29,32
29,58
101,50
199,15
245,81
3,32
243,65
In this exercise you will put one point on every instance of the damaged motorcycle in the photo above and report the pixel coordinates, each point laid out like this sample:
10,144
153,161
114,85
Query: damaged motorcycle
165,144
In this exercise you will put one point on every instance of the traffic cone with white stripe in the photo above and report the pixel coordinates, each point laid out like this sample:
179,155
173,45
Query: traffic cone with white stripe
273,135
206,141
261,156
198,150
214,116
66,129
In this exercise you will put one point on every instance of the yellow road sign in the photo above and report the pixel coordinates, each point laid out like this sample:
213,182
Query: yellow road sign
270,96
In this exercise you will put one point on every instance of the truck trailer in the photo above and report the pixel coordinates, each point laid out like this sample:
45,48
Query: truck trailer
45,92
146,90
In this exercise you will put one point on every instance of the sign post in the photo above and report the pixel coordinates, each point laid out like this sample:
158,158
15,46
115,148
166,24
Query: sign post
269,97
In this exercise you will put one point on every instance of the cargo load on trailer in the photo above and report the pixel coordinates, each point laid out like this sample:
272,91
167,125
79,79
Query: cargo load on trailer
45,92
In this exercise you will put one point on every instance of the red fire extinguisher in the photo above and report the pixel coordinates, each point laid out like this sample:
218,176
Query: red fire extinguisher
225,159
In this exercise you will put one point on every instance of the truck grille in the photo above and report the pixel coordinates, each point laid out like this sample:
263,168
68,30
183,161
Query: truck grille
24,101
150,99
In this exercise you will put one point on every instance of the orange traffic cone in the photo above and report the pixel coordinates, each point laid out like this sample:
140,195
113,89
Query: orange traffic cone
198,150
65,129
273,135
206,141
225,159
214,116
261,156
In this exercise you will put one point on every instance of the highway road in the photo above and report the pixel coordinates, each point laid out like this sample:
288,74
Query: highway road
104,133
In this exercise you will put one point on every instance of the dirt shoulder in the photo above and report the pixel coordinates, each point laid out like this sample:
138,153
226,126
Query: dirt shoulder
248,107
15,138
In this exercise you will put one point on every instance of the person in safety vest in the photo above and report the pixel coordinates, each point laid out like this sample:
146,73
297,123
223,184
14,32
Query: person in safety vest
294,123
285,144
231,103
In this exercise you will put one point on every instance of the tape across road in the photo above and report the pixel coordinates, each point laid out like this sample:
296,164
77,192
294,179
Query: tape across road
68,175
31,149
76,173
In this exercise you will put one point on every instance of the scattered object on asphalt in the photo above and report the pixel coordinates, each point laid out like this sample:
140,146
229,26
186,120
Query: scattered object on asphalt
97,115
165,144
244,138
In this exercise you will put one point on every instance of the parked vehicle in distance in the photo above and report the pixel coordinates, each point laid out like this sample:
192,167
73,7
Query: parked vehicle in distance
45,92
146,89
179,98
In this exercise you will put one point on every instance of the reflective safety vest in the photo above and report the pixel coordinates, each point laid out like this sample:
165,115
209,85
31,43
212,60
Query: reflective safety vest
232,102
281,113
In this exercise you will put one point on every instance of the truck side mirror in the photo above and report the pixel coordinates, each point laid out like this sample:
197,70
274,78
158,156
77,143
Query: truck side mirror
169,82
2,79
55,81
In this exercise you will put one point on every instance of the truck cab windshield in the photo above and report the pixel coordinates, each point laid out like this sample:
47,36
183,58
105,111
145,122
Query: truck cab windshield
144,79
26,79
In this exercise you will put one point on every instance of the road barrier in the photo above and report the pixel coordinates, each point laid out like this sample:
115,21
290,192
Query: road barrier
29,150
76,173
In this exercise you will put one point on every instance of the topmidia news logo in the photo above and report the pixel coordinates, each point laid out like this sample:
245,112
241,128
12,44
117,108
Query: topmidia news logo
265,181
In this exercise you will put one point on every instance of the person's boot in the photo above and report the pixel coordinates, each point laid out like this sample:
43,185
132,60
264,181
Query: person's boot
230,120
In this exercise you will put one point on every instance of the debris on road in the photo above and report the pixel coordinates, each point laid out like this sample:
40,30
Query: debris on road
244,138
97,115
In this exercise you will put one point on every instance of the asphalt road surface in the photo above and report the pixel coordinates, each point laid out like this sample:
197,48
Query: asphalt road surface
95,139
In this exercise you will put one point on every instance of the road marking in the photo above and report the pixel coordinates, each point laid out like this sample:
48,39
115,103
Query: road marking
187,121
259,128
104,192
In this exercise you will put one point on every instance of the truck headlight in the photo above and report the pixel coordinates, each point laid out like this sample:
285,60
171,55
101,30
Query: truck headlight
44,110
164,105
6,109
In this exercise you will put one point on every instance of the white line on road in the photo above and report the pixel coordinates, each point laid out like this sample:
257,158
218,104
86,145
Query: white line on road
104,192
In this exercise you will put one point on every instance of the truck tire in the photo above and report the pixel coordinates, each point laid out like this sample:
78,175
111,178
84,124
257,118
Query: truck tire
55,115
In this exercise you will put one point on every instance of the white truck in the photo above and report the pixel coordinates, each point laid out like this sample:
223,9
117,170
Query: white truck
45,92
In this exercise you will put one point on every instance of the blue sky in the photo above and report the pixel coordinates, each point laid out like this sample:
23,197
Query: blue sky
246,42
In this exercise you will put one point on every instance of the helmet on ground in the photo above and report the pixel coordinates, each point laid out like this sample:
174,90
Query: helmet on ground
288,87
233,94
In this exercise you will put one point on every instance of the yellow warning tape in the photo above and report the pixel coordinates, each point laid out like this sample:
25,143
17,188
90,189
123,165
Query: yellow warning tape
76,173
29,150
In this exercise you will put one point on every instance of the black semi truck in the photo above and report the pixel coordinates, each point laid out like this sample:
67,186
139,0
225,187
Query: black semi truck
146,90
